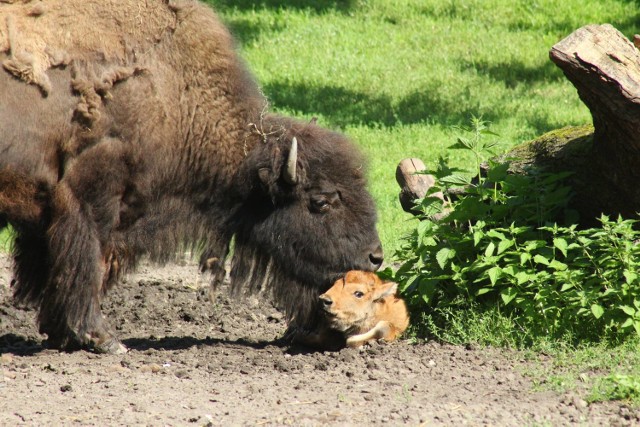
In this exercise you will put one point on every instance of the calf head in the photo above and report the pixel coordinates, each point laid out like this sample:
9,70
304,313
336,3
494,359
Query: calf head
351,303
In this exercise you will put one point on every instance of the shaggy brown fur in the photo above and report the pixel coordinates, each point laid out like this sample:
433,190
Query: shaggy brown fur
132,128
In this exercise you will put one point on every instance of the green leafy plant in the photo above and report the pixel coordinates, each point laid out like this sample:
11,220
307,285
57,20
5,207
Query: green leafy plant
616,387
509,243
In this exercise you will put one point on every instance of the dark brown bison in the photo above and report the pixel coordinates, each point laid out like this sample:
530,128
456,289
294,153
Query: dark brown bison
132,128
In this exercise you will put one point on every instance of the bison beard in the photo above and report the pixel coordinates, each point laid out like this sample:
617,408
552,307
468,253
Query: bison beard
132,128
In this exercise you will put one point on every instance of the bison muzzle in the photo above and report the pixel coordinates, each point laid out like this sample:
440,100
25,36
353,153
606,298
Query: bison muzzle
132,129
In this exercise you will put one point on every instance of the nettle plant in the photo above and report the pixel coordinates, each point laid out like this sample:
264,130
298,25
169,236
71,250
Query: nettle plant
506,242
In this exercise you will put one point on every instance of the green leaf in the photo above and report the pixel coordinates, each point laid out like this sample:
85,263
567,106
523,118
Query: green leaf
494,274
496,234
423,228
510,270
630,276
490,249
539,259
524,258
597,310
508,295
483,291
456,180
461,144
498,172
566,286
443,256
427,288
504,245
522,277
477,236
628,310
561,244
557,265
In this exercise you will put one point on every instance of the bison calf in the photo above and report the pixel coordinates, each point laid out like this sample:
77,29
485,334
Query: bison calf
359,308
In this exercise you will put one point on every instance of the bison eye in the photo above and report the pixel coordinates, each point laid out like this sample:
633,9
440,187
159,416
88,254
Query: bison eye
322,203
358,294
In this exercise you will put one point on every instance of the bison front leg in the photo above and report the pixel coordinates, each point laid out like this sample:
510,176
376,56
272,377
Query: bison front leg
70,310
85,210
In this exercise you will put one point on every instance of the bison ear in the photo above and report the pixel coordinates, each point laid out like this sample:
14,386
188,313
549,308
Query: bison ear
264,174
284,169
385,289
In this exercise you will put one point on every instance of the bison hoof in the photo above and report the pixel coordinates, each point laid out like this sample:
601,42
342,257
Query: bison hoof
109,346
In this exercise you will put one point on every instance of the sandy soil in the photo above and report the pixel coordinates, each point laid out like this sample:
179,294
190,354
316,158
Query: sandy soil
207,361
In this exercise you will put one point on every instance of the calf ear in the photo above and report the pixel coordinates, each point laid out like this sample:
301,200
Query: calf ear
384,289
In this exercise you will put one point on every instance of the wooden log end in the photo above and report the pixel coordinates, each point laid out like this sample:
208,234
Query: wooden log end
414,185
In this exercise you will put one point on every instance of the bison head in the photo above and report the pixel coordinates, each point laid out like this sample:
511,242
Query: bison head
307,217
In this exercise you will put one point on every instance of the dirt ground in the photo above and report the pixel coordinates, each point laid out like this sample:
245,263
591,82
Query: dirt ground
194,362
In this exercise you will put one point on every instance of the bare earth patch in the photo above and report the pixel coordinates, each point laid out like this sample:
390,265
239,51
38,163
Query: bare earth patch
194,362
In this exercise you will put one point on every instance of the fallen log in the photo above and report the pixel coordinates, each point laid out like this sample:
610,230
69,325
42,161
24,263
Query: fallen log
604,66
414,184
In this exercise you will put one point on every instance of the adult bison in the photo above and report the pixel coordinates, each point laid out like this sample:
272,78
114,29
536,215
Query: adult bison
132,128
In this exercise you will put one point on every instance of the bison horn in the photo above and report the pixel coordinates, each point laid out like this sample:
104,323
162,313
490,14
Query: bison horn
289,174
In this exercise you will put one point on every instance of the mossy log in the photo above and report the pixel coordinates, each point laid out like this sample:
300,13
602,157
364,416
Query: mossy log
569,149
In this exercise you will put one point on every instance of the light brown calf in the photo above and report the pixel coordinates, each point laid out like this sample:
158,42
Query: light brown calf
359,308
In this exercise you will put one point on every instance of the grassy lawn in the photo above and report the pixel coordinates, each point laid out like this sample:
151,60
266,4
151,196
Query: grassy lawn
396,76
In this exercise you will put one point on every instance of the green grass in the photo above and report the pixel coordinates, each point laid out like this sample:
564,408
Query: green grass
397,75
597,372
5,240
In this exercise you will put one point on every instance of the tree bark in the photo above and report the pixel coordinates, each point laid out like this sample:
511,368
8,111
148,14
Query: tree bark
413,183
604,66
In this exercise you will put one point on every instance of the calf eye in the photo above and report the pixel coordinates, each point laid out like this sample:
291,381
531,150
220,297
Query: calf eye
358,294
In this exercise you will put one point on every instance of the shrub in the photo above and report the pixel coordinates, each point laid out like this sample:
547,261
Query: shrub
508,243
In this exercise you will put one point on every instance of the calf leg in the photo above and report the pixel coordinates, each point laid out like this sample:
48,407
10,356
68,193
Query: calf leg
381,330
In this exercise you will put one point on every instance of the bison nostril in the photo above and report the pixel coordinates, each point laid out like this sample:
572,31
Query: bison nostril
376,258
